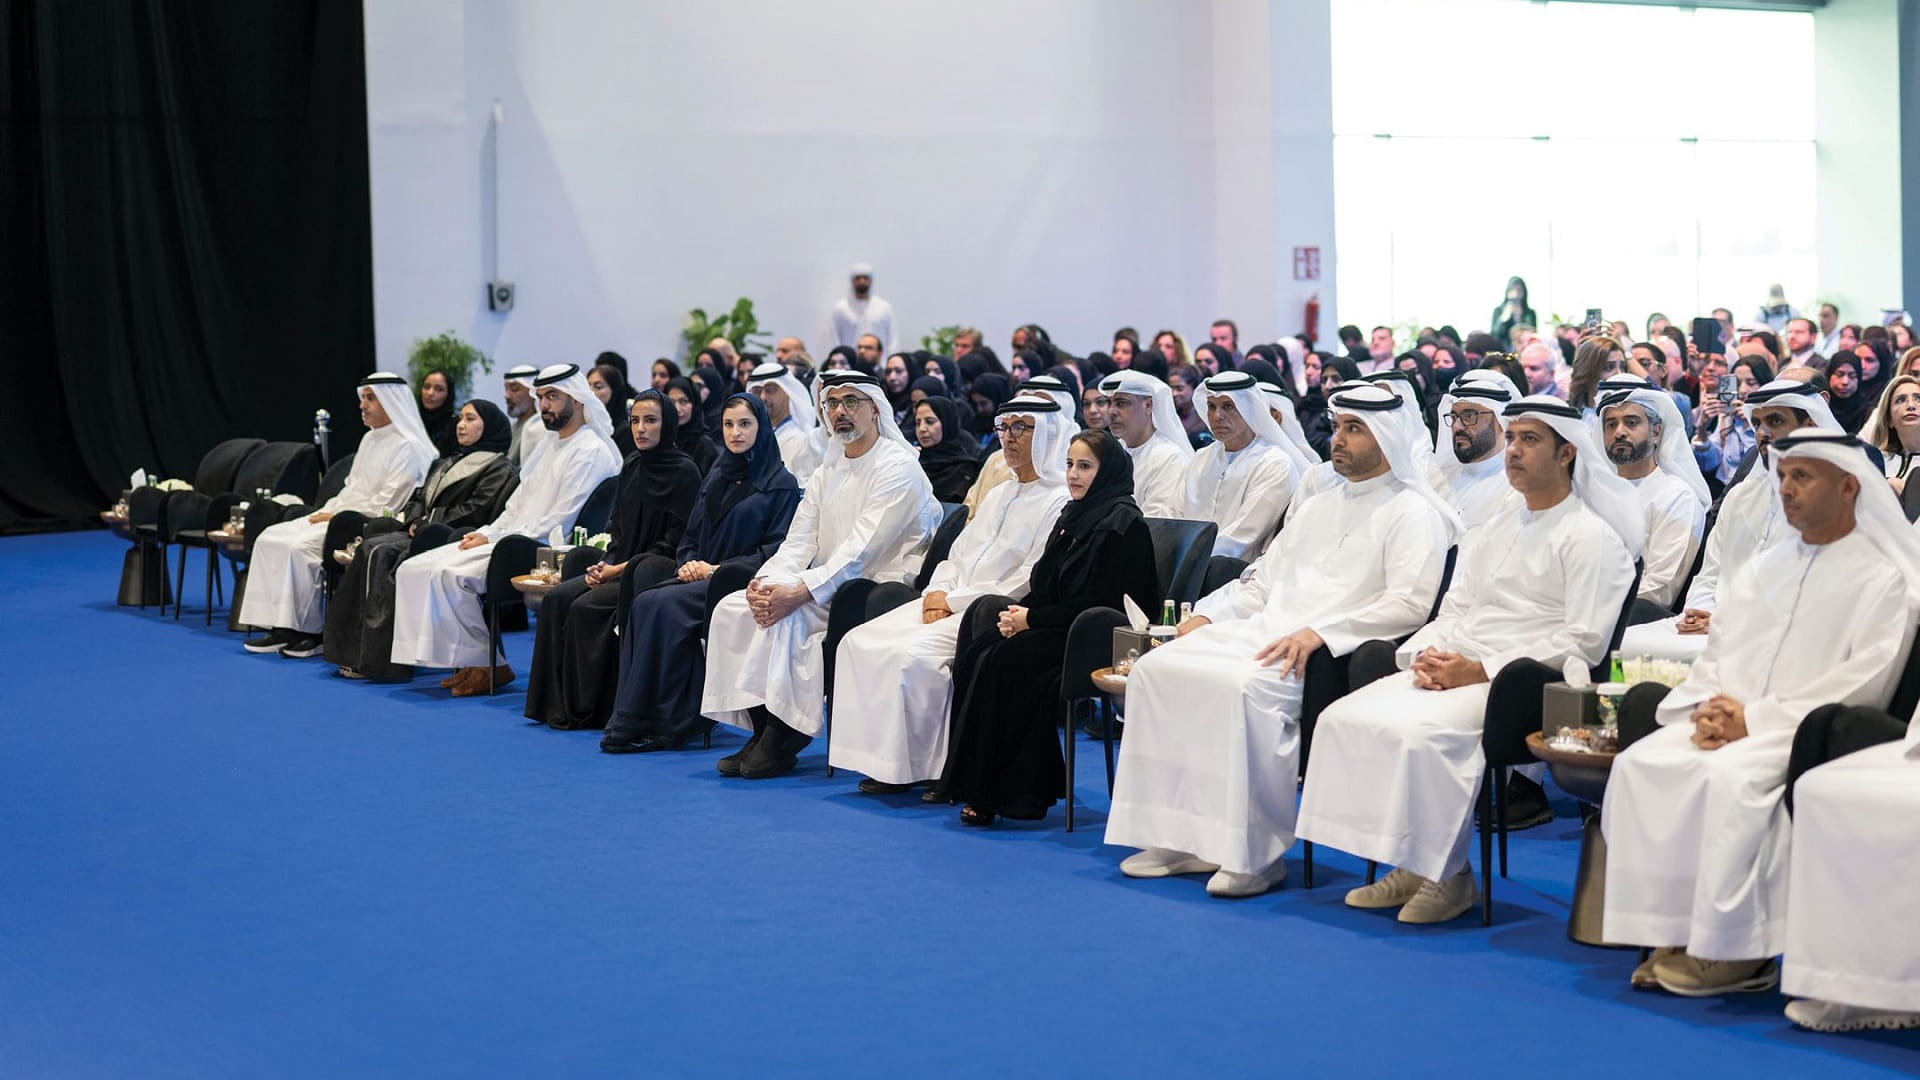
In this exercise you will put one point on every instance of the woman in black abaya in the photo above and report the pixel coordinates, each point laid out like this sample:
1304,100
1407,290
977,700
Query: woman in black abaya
949,454
739,519
437,411
694,438
1005,747
574,649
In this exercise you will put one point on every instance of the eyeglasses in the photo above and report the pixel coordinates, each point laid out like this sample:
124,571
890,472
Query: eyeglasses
844,404
1466,420
1013,431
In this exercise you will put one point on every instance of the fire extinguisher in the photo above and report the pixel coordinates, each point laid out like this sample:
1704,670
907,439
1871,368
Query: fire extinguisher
1312,331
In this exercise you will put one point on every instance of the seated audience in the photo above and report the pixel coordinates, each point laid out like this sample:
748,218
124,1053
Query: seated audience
284,576
438,621
1641,431
693,437
1469,463
867,513
949,455
1206,779
892,678
1243,479
463,490
791,407
1003,745
1141,414
1697,838
575,662
1397,763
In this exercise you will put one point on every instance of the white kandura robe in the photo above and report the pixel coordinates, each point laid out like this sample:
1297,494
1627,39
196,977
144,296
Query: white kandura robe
1854,882
893,677
437,621
1478,490
1211,759
1396,769
1697,840
1675,520
798,450
284,574
1159,479
1242,492
1749,522
869,517
853,316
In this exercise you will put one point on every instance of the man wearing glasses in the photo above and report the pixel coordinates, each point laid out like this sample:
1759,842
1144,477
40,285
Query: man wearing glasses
892,677
1467,466
868,512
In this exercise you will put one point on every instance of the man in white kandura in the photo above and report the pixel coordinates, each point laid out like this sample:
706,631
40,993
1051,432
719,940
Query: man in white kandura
1646,439
1469,466
790,407
1397,764
1208,770
530,436
868,512
861,312
1243,479
1852,957
284,576
437,616
1748,523
1322,477
1697,838
1143,417
893,677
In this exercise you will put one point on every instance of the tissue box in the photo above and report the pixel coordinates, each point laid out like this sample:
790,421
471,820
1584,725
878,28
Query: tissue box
1564,706
1139,642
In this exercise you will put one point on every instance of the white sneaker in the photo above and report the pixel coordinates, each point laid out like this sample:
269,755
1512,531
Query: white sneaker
1229,885
1832,1016
1164,862
1442,901
1393,890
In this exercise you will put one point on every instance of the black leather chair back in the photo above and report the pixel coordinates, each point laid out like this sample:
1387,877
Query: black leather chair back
1221,570
335,480
280,467
220,465
1910,500
1604,668
1180,552
951,524
598,507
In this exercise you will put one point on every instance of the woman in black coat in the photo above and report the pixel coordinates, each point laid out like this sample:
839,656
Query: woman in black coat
1004,756
464,489
739,519
575,656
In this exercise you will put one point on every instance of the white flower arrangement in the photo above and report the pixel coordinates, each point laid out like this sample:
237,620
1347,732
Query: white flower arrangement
603,541
174,485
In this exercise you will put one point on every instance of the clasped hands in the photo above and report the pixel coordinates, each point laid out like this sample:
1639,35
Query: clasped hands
1718,721
694,570
771,603
1436,670
1693,621
603,572
933,607
1013,621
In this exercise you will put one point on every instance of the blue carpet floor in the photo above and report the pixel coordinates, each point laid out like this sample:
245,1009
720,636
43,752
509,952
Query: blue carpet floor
216,864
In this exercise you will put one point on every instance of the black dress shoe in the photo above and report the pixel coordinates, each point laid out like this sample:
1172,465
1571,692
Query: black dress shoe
623,741
777,752
937,794
1525,804
881,787
730,765
1096,728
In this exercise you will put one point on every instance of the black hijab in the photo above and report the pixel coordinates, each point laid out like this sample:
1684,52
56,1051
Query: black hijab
997,389
1349,371
1222,358
972,366
929,386
1069,564
716,399
949,371
496,433
1266,365
440,421
1850,411
695,430
615,361
854,363
1150,362
657,488
1883,352
736,476
952,463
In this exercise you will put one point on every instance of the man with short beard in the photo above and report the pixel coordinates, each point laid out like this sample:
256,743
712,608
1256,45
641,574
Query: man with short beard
1467,466
867,512
1640,428
861,312
437,618
868,349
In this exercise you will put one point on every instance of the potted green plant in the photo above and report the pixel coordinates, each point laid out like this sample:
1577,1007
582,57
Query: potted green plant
446,352
739,326
940,341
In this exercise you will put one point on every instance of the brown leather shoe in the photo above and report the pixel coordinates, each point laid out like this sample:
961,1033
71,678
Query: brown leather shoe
477,684
447,683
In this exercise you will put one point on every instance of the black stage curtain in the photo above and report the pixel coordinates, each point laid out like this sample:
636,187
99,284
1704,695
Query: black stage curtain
185,238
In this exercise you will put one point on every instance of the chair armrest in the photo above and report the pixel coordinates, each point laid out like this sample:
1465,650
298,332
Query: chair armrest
511,557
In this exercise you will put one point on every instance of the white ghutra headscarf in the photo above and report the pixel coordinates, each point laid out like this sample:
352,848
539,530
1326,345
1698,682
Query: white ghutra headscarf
1595,482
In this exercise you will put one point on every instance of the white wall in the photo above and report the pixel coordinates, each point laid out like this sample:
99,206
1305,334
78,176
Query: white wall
1857,125
1080,163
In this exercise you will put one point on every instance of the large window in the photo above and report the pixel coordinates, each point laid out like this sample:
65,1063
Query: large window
1633,159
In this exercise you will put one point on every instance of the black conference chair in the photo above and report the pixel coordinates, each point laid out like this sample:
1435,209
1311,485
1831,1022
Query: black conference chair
182,518
1834,731
1221,571
146,509
1910,500
1181,550
516,555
